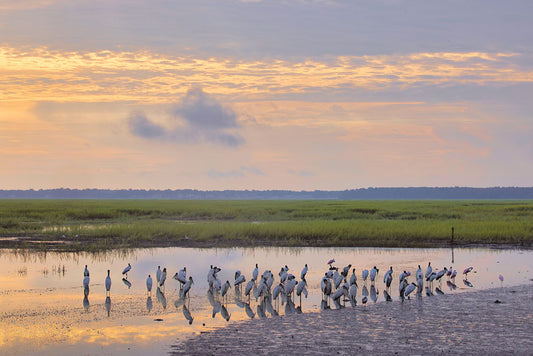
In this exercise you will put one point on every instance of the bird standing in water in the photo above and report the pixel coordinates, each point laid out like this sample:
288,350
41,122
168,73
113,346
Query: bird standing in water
149,284
108,283
126,270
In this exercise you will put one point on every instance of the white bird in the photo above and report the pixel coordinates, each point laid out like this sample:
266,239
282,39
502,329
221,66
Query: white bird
353,278
108,283
249,287
225,288
364,274
304,272
387,279
126,270
181,276
373,272
239,280
163,277
85,272
403,275
402,287
276,291
255,273
86,281
409,289
340,292
337,278
325,285
158,274
420,284
217,285
454,273
419,273
187,287
441,273
289,286
428,270
149,283
301,288
345,270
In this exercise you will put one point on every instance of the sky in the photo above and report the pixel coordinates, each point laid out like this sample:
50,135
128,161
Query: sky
265,94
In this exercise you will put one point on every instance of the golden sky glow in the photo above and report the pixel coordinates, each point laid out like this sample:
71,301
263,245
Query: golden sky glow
235,94
47,75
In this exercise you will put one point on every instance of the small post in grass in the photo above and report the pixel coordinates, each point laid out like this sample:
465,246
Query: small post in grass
452,234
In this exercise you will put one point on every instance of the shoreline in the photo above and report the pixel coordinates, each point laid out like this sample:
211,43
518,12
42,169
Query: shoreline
66,245
493,321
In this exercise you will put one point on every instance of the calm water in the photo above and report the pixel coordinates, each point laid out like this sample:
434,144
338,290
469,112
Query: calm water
43,309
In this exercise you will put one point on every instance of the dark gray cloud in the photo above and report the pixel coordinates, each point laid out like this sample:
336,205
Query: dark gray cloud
198,118
140,126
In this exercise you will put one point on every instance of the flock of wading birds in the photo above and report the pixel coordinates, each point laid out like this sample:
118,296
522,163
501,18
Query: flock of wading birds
336,285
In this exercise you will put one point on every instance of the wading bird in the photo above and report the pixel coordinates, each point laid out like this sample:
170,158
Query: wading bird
158,274
428,270
373,272
86,281
85,272
467,271
108,283
187,287
149,284
126,270
304,272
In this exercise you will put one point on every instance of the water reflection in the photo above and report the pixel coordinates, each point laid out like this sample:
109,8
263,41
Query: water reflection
108,305
56,287
126,283
224,312
467,283
161,297
149,304
187,314
86,298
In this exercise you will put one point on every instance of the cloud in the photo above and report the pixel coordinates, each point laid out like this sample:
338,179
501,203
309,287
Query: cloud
198,118
140,126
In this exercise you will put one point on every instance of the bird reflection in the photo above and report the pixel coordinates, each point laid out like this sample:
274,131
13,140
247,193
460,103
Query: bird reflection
161,297
249,311
126,282
86,299
365,291
268,306
149,304
216,308
451,285
467,283
387,296
439,291
373,293
224,313
290,308
187,314
261,311
108,305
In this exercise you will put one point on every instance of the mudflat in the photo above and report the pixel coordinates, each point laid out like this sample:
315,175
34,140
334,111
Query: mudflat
495,321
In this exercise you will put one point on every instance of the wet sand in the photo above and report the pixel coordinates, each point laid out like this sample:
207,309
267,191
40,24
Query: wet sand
466,323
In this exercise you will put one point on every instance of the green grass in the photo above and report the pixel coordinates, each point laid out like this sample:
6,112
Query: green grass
132,223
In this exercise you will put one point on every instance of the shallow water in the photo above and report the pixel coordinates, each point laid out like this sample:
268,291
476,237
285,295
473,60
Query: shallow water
43,309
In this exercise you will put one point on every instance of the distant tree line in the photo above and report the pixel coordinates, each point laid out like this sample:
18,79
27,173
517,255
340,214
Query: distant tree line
352,194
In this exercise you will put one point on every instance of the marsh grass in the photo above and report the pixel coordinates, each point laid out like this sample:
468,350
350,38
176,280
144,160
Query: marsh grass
100,224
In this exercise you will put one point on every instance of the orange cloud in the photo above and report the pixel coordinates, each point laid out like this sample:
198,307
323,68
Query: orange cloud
42,74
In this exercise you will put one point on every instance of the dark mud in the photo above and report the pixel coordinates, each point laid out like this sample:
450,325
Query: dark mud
496,321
